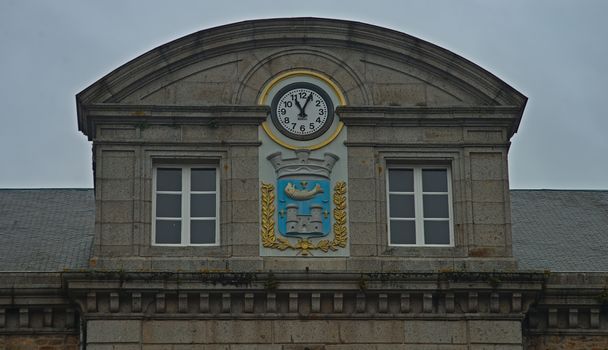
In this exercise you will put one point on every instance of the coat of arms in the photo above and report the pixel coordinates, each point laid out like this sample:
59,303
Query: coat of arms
303,207
303,204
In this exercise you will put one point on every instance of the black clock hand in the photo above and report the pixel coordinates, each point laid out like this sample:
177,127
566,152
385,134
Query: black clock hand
300,115
305,103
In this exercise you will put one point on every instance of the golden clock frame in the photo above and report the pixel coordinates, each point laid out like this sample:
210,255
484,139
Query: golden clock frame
262,100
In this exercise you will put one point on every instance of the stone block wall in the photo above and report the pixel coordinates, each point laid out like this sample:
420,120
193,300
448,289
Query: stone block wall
286,311
39,342
125,158
571,315
198,97
566,342
477,158
303,334
299,311
123,184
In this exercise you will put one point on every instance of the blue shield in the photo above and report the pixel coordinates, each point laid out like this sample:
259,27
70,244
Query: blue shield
303,207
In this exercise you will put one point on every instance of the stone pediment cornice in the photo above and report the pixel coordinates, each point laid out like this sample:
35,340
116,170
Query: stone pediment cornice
506,116
213,116
239,38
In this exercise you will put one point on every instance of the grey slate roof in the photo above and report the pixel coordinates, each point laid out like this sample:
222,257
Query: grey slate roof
560,230
52,229
46,229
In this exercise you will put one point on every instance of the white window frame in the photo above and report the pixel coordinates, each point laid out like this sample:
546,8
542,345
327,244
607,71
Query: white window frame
418,204
185,204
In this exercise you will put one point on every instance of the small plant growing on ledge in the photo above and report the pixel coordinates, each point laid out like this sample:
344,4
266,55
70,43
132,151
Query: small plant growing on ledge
143,125
362,282
602,298
271,283
494,281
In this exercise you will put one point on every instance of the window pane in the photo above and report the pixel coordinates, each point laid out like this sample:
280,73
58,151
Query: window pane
168,231
436,232
202,205
168,179
434,180
202,231
401,180
403,232
203,179
402,206
435,206
168,205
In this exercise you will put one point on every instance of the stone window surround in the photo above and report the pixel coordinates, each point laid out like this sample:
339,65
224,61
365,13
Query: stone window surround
418,202
186,169
427,157
187,155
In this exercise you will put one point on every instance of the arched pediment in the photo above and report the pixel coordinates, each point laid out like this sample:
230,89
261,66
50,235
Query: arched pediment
230,65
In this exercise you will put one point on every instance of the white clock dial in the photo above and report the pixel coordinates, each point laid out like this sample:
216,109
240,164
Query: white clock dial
302,111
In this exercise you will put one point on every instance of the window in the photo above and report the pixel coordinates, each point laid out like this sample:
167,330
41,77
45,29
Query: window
185,205
419,206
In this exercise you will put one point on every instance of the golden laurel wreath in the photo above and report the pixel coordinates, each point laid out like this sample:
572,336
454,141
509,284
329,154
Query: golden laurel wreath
304,245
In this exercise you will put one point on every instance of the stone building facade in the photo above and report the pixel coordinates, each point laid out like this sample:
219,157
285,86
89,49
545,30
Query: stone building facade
394,147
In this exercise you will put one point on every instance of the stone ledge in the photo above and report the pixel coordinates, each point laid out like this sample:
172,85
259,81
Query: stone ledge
504,116
201,259
92,115
297,294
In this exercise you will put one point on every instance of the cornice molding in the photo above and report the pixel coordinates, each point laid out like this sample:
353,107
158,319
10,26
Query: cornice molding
213,116
297,295
547,303
504,116
297,32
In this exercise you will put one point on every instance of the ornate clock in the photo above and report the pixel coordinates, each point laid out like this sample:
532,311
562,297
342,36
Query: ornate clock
302,111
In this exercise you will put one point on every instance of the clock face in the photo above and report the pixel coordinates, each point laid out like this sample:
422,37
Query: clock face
302,111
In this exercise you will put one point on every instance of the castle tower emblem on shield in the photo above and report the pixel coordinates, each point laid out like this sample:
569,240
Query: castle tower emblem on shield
303,194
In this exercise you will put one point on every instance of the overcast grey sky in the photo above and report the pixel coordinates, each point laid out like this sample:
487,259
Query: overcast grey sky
553,51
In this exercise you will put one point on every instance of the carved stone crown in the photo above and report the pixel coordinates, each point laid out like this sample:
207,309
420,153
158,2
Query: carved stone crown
303,164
